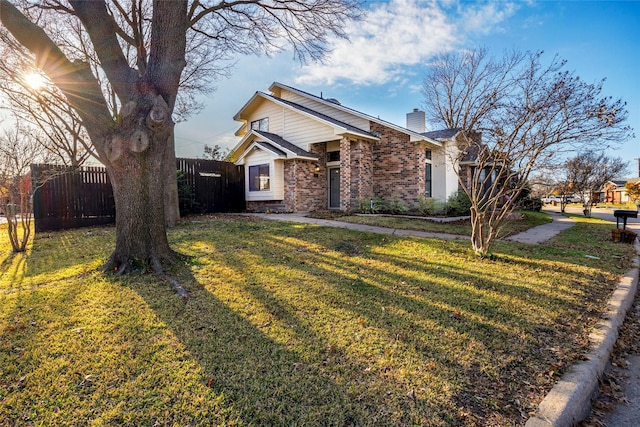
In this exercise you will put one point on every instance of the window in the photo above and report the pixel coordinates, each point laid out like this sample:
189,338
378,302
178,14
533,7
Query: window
427,154
262,124
259,178
428,182
333,156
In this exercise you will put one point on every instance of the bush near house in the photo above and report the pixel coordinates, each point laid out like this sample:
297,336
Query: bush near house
457,204
428,206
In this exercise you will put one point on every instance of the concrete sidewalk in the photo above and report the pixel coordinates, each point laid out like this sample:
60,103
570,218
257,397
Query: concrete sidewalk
542,233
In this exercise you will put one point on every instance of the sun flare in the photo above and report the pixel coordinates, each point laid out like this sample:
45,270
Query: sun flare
34,80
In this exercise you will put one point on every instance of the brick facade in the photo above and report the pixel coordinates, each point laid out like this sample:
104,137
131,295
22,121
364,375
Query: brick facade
399,171
306,188
356,172
392,168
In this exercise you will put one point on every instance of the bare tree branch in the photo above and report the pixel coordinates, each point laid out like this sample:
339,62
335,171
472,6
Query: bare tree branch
528,113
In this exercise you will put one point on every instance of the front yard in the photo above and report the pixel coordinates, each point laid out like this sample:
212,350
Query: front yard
297,325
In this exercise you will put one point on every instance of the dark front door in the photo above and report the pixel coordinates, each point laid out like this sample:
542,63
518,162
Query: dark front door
334,188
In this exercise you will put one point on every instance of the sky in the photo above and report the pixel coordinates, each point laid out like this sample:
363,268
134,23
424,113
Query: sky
380,69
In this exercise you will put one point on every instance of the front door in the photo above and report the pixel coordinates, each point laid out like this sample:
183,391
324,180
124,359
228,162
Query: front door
334,188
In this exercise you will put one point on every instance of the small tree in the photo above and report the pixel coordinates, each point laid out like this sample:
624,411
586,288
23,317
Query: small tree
17,152
633,191
589,172
528,113
215,153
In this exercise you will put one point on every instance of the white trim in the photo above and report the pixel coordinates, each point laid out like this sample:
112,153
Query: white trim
414,136
255,146
338,130
289,154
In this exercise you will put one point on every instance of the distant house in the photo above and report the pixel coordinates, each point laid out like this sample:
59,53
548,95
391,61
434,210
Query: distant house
614,192
302,152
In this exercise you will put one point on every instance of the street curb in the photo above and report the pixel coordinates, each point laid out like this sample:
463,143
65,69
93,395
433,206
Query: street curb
569,401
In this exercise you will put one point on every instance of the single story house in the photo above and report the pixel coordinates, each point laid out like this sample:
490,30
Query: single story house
614,192
303,152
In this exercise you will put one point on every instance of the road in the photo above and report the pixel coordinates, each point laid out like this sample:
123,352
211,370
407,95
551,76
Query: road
597,212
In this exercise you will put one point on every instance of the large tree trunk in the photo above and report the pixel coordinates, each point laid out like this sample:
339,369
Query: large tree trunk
141,239
136,165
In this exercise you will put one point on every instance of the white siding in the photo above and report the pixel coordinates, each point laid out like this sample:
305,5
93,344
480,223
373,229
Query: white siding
276,176
451,167
303,131
296,128
320,107
275,114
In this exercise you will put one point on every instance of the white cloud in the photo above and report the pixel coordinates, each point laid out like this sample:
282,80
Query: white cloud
485,18
398,34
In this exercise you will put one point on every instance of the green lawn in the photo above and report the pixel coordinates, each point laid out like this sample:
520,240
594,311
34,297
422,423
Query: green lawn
296,325
522,221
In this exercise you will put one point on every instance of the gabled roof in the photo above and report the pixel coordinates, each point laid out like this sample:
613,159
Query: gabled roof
271,148
443,134
617,182
271,142
415,136
286,145
324,117
341,127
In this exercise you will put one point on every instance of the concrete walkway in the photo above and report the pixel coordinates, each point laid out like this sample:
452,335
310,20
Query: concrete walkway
542,233
302,219
569,401
535,235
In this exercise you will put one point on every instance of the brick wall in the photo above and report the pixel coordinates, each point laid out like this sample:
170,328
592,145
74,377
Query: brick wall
306,189
345,174
399,171
361,171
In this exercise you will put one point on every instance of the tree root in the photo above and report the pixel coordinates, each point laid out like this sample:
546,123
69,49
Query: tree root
180,290
155,264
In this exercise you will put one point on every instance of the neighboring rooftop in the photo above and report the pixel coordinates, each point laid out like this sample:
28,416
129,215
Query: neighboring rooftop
442,134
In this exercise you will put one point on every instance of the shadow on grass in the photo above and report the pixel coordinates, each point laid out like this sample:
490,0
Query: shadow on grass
298,325
261,379
12,269
447,331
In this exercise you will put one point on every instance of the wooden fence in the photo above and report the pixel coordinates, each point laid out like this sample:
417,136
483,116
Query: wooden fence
71,197
67,198
208,186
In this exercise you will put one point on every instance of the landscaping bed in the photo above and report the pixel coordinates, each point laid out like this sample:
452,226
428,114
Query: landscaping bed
290,324
519,221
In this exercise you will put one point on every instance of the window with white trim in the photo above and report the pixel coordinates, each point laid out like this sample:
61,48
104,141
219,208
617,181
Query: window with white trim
261,124
259,178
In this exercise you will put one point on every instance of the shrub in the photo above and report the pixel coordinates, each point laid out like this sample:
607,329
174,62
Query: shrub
395,206
371,205
186,195
458,204
430,206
